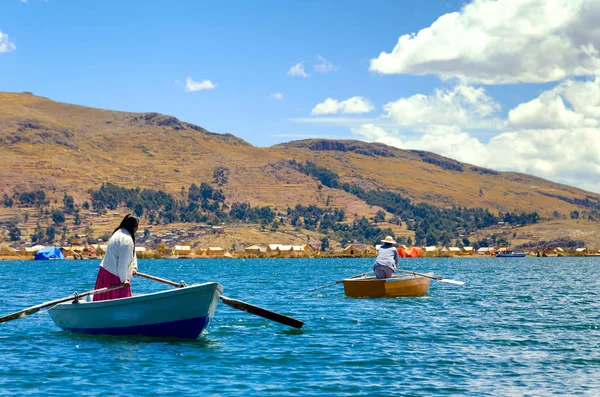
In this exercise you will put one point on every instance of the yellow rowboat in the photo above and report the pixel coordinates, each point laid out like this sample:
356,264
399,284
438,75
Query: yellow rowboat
370,287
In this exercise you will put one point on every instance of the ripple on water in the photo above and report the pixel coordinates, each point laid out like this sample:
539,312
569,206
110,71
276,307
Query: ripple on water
519,327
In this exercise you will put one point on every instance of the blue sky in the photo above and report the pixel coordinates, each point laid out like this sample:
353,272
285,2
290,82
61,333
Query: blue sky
128,55
502,84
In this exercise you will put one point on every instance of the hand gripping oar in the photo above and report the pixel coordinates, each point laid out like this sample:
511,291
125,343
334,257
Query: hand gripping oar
35,309
443,280
339,281
237,304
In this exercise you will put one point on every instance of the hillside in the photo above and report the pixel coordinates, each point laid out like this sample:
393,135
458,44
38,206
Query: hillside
63,148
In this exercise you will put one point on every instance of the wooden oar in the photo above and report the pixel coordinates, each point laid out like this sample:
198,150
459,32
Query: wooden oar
35,309
161,280
339,281
443,280
239,305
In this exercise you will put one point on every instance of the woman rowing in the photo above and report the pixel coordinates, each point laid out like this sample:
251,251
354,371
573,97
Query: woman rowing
119,262
387,259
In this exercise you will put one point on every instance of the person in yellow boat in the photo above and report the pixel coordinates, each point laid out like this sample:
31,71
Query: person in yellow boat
387,259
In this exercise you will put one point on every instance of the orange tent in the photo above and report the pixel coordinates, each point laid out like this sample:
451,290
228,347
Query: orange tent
402,251
412,252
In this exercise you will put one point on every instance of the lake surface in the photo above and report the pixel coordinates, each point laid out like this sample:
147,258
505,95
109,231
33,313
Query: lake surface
521,326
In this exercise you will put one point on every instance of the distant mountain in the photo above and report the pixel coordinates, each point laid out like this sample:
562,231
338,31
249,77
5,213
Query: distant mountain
68,148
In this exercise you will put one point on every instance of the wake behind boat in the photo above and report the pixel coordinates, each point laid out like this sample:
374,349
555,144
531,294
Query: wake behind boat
180,313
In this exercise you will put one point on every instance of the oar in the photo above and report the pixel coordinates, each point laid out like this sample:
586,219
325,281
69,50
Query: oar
239,305
35,309
161,280
339,281
443,280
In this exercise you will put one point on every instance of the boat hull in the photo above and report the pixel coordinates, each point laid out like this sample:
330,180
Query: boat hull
391,287
179,313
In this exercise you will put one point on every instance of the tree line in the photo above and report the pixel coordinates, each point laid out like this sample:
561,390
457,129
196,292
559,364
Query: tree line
431,224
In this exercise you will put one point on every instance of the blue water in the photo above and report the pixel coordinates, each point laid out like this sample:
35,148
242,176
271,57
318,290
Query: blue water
525,326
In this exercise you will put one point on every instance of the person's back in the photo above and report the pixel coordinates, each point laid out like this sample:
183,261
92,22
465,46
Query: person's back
119,262
115,245
387,259
387,255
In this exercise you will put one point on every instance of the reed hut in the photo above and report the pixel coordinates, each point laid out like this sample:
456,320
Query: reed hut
352,250
216,252
253,250
182,250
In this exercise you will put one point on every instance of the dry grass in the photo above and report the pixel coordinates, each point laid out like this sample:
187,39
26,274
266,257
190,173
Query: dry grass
69,148
569,229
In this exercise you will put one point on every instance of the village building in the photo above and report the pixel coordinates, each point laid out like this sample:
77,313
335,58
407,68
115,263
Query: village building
91,252
253,250
272,248
285,249
279,250
308,249
217,252
297,251
182,250
352,250
486,251
30,251
5,250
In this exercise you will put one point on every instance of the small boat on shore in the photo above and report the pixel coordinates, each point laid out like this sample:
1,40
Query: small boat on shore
179,313
511,255
402,285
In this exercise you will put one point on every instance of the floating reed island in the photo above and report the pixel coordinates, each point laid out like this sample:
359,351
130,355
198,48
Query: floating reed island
353,250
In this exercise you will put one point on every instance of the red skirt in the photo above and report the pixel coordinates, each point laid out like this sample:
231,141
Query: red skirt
107,279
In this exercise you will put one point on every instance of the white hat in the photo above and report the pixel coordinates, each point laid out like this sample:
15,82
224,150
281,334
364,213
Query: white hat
388,240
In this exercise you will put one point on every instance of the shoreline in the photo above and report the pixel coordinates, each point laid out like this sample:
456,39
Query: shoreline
21,258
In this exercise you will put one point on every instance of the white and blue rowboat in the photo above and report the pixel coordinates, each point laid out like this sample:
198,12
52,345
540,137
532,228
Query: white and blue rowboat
179,313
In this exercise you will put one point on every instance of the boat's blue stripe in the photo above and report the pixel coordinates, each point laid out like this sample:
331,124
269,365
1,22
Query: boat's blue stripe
189,329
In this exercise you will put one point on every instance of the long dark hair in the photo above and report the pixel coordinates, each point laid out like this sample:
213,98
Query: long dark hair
129,223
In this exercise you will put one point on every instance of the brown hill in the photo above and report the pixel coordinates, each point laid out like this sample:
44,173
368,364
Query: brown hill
69,148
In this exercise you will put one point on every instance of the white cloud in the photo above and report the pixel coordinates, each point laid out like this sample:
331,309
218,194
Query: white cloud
547,111
342,121
584,96
554,136
324,66
554,154
374,133
461,105
277,95
193,86
504,41
297,70
354,105
570,104
448,141
5,45
550,154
